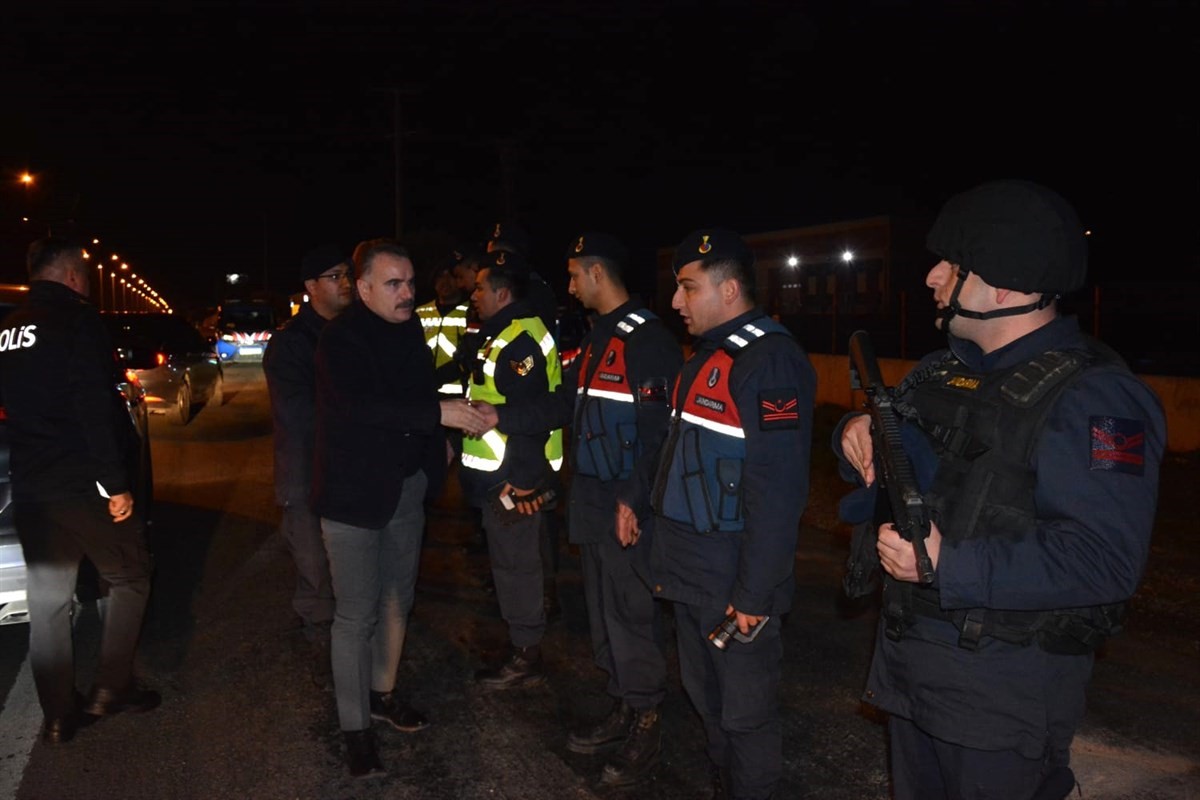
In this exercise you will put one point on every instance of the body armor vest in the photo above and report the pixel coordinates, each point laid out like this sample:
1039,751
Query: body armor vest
985,429
699,481
606,408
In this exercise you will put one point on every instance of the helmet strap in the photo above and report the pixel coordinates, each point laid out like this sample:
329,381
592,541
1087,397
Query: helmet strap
954,309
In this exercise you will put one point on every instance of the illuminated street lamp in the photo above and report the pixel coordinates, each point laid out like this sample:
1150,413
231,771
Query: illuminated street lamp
26,179
847,258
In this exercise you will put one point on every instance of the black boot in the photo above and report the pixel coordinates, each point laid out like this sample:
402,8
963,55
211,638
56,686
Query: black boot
361,757
389,708
523,668
605,735
639,755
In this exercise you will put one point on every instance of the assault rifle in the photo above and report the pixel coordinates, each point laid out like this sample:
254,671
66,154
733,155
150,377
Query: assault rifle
893,469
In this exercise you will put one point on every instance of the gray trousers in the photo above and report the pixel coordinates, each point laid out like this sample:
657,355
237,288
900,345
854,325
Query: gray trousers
374,580
55,536
515,553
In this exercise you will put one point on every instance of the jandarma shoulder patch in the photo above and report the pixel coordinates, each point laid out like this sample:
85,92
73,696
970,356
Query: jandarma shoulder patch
778,409
1118,445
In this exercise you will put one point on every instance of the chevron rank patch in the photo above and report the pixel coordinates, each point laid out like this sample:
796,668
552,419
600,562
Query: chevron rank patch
522,367
778,409
1118,445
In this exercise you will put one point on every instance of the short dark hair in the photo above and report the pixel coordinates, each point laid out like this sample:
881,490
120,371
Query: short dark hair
726,268
367,257
46,253
515,278
611,267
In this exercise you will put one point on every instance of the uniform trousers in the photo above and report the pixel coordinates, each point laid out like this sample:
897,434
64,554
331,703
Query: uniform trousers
624,619
312,599
55,536
374,575
736,692
515,553
927,768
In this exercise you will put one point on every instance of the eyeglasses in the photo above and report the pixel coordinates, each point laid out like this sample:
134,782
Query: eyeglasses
335,277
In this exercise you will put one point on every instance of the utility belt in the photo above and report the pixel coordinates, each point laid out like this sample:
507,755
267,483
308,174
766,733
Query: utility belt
1072,631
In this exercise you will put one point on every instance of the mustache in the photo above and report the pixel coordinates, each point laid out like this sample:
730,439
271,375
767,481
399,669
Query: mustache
406,304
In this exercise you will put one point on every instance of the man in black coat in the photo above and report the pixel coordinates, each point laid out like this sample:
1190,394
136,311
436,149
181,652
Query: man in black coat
72,491
290,367
379,450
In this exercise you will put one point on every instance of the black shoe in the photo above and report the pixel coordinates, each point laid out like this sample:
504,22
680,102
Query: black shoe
60,730
106,702
523,668
605,735
639,755
389,708
362,759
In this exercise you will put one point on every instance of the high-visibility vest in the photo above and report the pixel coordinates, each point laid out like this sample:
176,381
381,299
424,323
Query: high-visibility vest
486,453
442,334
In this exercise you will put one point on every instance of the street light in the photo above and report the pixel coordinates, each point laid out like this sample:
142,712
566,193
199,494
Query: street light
847,258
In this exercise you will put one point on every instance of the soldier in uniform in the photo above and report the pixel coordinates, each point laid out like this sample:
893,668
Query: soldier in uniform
614,399
1038,453
731,484
517,363
444,321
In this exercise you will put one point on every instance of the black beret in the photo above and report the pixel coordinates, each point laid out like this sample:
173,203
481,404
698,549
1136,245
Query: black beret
513,262
600,245
320,260
713,244
510,237
1015,235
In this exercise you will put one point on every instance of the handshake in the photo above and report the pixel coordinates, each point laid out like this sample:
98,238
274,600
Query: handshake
472,418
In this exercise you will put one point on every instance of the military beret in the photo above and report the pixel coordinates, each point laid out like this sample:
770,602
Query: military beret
713,244
320,260
1015,235
599,245
509,237
514,262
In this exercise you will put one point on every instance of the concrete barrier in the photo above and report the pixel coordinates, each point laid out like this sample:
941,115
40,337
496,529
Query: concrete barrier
1180,396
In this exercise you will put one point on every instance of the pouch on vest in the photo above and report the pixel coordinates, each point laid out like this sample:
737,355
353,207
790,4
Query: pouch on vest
596,444
729,475
627,433
694,487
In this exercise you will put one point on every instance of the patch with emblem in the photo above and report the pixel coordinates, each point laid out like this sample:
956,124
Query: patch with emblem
610,358
778,409
963,382
714,376
611,377
579,245
1118,445
704,247
709,403
522,367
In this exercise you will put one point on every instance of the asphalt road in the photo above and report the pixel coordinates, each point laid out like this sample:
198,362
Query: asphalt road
241,719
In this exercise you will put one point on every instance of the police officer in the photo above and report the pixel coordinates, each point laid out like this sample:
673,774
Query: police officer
1039,454
614,399
289,365
72,446
444,321
731,485
517,362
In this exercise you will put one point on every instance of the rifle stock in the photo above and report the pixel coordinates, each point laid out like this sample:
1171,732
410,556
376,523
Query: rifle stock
893,468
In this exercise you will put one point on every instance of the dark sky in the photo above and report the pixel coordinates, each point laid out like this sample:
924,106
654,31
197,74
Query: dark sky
202,138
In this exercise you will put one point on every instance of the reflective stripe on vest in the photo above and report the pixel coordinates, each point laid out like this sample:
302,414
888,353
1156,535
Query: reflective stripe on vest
443,333
486,453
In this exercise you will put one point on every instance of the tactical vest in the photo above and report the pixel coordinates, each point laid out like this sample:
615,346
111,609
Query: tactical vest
985,429
486,453
442,334
606,434
699,481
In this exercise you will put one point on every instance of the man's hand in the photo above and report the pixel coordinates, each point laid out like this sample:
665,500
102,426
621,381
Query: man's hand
121,506
491,418
744,621
858,448
628,530
464,416
897,556
527,507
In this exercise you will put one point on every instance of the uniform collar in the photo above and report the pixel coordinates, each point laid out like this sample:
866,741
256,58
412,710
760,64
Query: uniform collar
505,316
717,335
54,291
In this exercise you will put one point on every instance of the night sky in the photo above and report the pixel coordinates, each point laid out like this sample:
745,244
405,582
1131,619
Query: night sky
203,138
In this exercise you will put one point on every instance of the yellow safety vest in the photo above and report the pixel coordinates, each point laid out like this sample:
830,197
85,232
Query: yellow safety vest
486,453
442,334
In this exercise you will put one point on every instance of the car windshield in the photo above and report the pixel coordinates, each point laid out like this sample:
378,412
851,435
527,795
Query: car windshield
247,319
156,331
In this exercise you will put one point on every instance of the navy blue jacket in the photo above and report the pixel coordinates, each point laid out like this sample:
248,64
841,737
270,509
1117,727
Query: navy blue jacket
290,366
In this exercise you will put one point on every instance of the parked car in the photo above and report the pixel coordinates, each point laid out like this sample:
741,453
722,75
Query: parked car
244,328
14,607
181,369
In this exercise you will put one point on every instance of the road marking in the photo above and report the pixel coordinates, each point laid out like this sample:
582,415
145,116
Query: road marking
20,721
